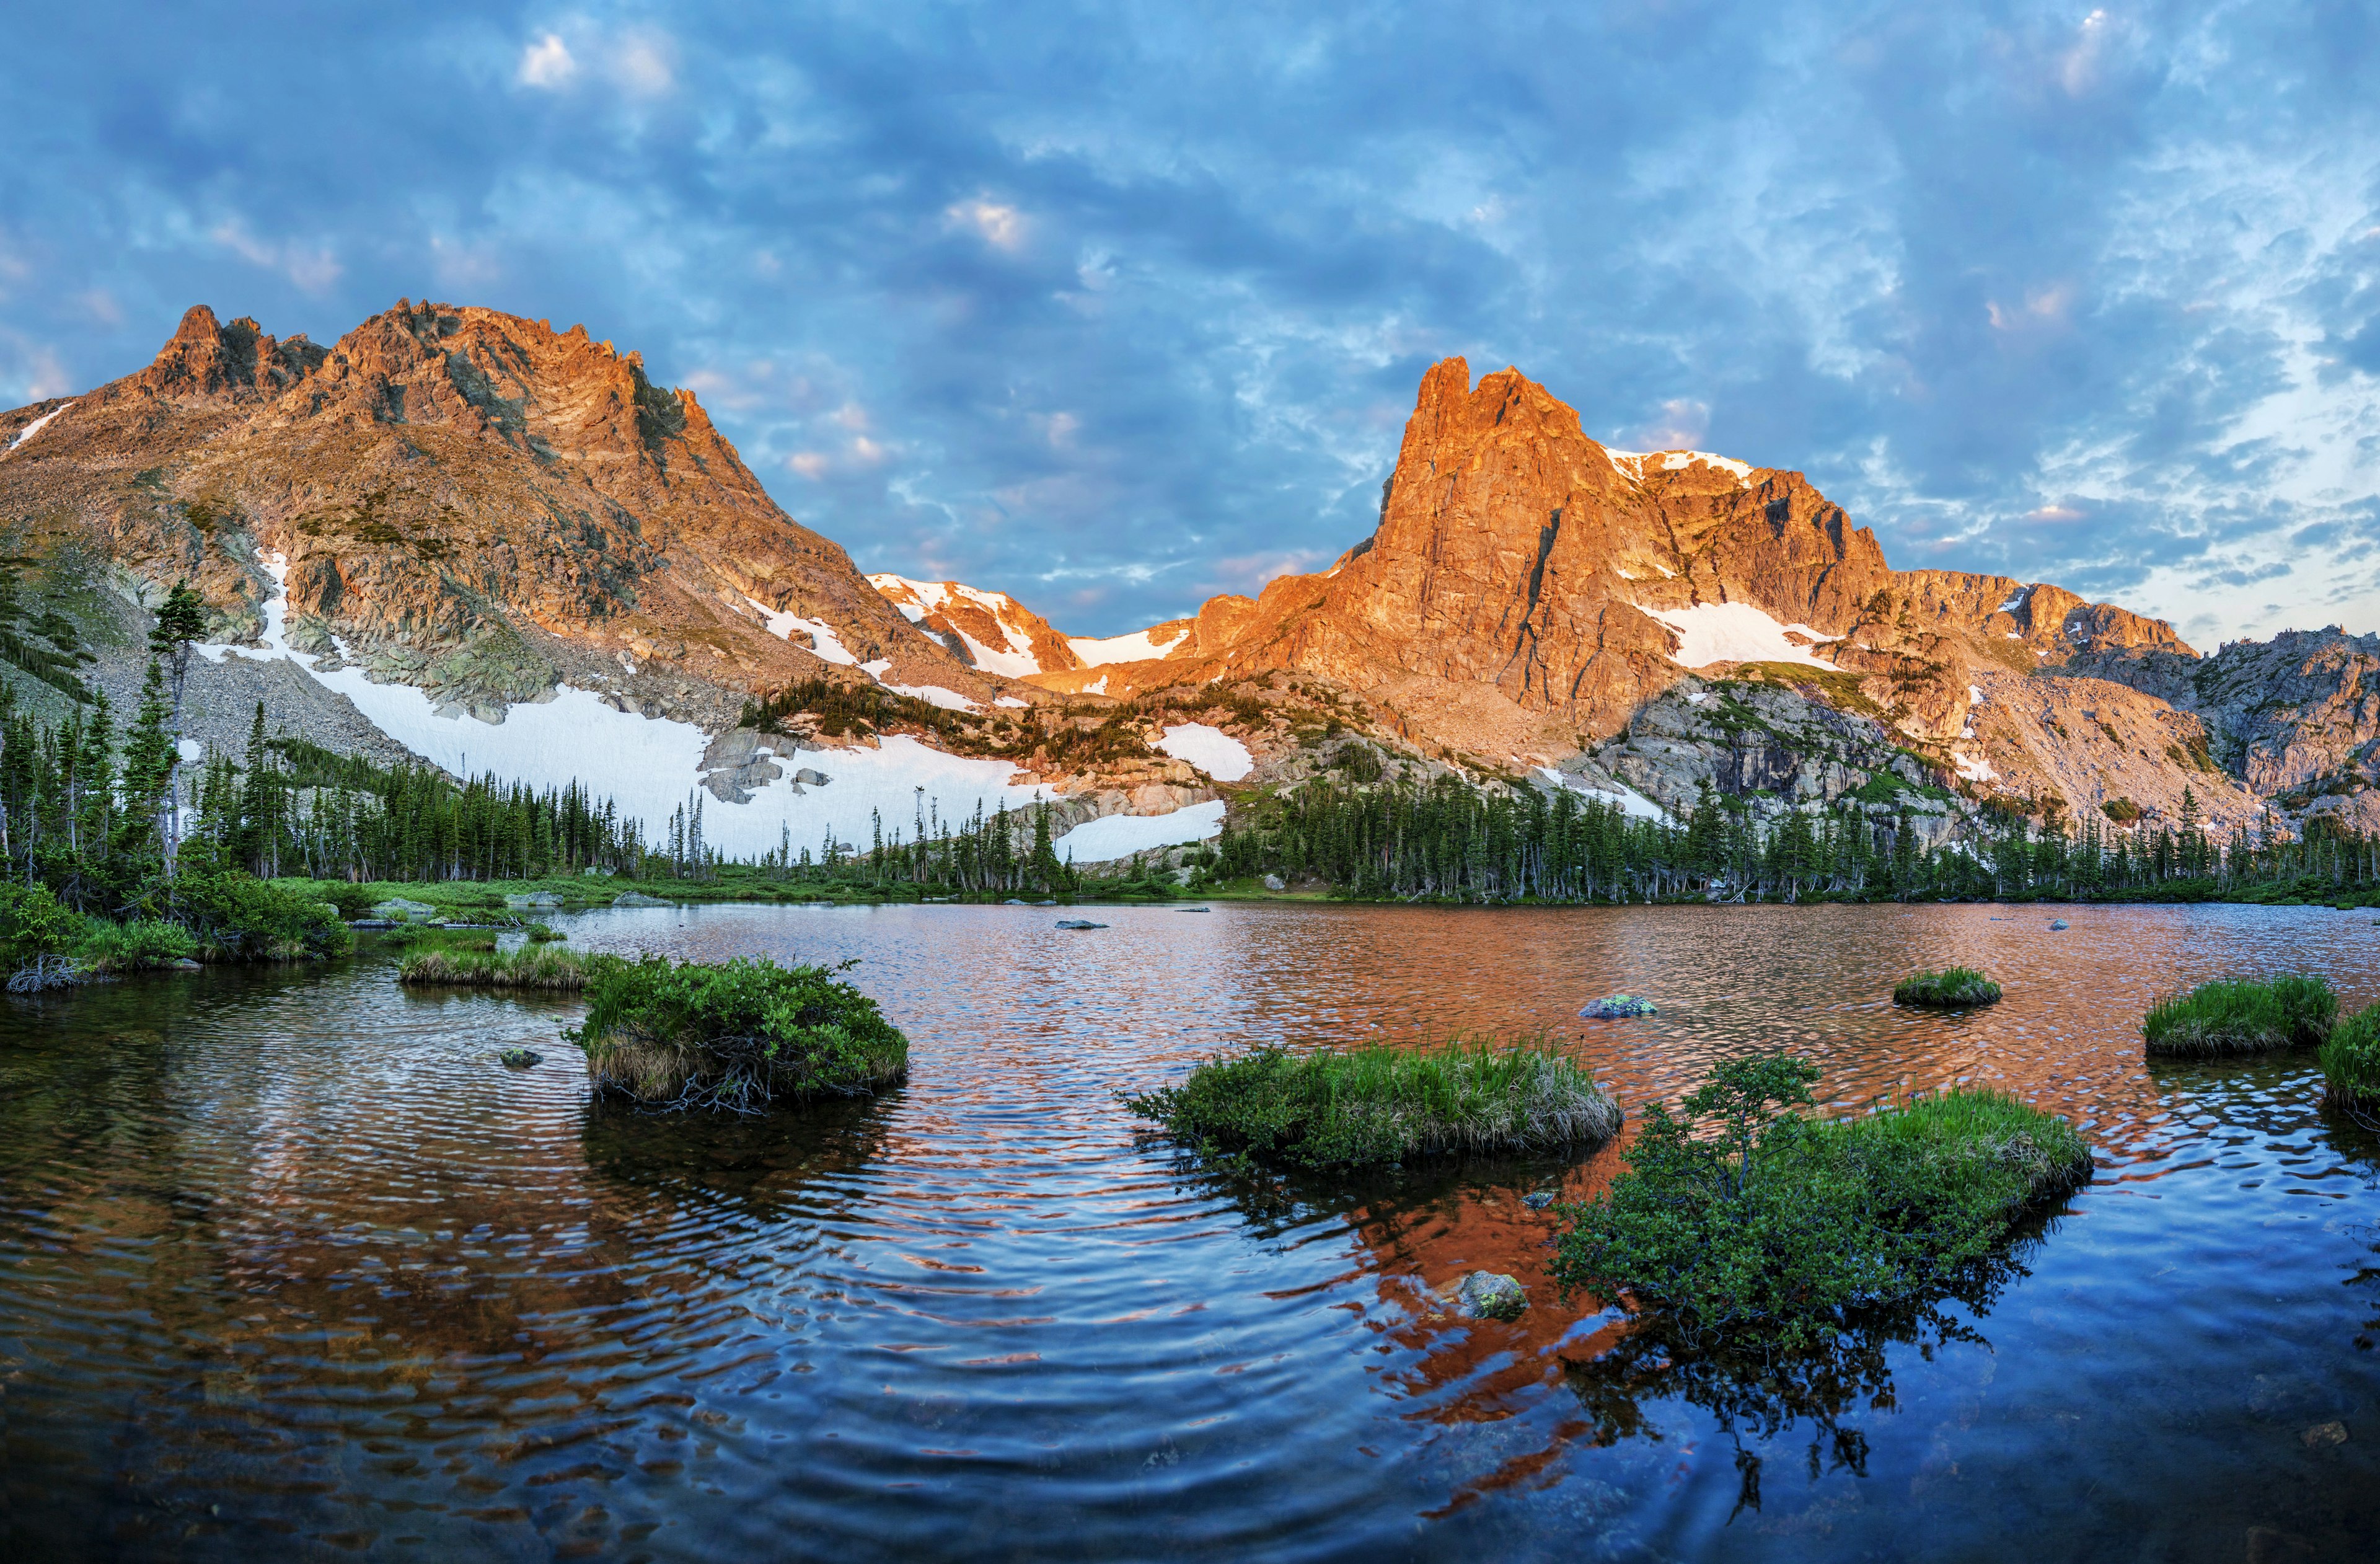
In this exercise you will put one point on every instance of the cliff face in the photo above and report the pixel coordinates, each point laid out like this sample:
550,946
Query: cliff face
987,630
464,501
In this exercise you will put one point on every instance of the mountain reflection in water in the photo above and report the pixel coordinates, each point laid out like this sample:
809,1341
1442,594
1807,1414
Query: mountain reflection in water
290,1268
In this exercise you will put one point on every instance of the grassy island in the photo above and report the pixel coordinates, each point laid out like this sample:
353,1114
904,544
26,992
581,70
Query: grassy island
1376,1106
478,963
1737,1217
2231,1017
737,1034
1953,989
2350,1062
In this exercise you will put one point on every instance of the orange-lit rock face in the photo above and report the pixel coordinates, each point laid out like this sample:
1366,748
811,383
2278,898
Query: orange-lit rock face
447,481
987,630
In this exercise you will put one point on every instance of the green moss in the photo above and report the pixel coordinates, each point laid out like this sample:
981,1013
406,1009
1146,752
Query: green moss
1957,988
2231,1017
1738,1219
1374,1106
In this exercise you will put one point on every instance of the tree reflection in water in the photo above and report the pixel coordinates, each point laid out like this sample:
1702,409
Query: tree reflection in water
1758,1394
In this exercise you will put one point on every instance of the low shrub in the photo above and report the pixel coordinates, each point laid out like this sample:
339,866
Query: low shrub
2240,1017
736,1034
36,933
1741,1220
2350,1062
141,945
1958,987
236,917
478,964
1375,1105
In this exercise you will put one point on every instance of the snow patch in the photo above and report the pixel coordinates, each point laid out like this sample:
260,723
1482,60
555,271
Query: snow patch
1633,803
1734,633
1012,700
1120,836
1697,697
1674,460
35,428
1135,648
1212,750
1974,768
1974,695
1096,686
934,695
2015,600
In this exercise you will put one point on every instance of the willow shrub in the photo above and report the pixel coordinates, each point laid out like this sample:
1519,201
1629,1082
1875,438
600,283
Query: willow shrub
238,918
1373,1106
2241,1016
1737,1219
1958,987
737,1035
138,945
2350,1062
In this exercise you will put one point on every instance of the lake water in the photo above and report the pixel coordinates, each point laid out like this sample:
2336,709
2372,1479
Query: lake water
291,1268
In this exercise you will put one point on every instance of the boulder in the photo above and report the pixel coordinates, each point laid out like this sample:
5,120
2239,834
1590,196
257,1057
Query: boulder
809,777
534,899
521,1059
2057,923
1537,1199
637,899
1617,1007
1079,923
1274,882
1492,1296
396,909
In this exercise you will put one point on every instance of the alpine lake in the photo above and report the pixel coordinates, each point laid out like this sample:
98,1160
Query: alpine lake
292,1268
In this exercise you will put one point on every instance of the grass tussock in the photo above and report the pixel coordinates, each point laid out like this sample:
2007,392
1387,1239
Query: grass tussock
1376,1106
2231,1017
1958,987
734,1035
1738,1218
2351,1063
478,964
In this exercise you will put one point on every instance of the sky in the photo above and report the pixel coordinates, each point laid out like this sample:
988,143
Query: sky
1116,307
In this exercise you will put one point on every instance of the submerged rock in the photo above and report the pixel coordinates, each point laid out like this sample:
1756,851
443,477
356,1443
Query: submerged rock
521,1059
2057,923
1617,1007
1193,909
637,899
1079,923
1491,1295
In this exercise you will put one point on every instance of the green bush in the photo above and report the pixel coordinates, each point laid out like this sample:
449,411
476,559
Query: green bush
734,1035
2243,1016
351,901
36,931
1736,1219
1375,1105
238,917
2350,1062
1958,987
141,945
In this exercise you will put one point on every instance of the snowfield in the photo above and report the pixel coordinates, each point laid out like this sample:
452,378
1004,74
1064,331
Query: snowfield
1633,803
1013,658
1135,648
35,428
1631,464
1120,836
1212,750
1734,633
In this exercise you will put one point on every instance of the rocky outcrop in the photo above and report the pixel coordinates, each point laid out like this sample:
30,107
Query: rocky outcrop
986,630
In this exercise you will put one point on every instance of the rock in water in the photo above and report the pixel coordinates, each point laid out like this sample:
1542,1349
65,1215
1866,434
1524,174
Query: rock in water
1617,1007
1488,1295
637,899
1537,1199
1079,923
534,899
521,1059
2057,923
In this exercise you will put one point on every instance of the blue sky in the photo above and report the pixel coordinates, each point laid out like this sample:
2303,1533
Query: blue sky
1114,307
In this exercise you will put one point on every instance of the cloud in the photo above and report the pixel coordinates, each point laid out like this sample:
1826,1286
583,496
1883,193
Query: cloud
1000,225
547,62
314,268
1680,426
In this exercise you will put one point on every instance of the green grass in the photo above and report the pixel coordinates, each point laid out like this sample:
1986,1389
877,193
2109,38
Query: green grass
2231,1017
2350,1062
734,1035
1958,987
138,945
1374,1106
477,963
1739,1221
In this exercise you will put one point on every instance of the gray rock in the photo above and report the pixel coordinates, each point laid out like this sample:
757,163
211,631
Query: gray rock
1617,1007
1016,902
1192,909
1537,1199
534,899
521,1059
1079,923
1274,882
1492,1296
637,899
396,909
373,923
2057,923
808,778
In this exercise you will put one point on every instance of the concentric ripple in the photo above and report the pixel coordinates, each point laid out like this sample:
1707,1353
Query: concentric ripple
291,1268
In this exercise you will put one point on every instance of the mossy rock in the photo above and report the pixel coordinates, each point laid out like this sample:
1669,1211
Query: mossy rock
1957,989
1617,1007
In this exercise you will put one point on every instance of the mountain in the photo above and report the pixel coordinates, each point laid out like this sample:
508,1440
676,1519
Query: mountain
1532,597
467,536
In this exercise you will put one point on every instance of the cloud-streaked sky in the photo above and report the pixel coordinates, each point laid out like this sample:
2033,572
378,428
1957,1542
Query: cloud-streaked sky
1113,307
